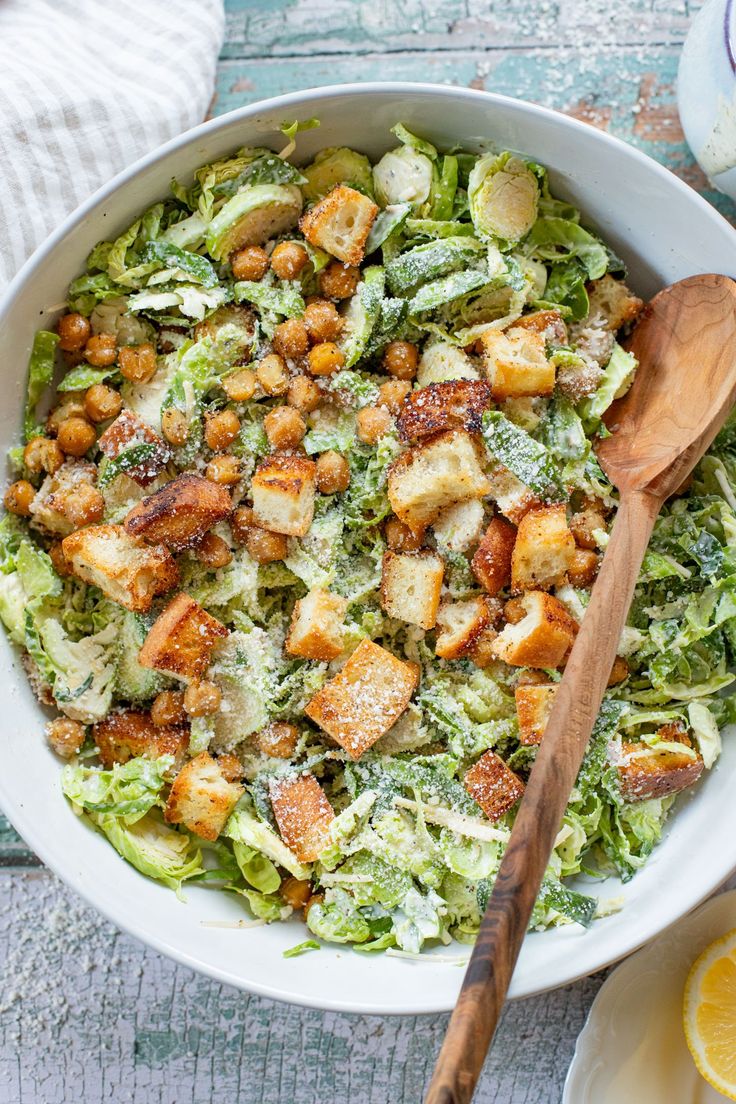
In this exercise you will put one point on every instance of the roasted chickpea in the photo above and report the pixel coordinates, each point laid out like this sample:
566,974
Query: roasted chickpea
284,427
65,736
338,280
240,386
532,677
224,469
58,559
322,320
333,473
74,331
325,358
288,259
583,567
392,394
279,739
213,551
230,766
241,523
295,893
101,350
273,375
18,497
102,402
76,436
84,506
174,426
303,394
400,359
619,671
250,263
42,454
137,362
266,547
290,338
372,423
514,611
72,406
168,708
221,429
202,698
400,538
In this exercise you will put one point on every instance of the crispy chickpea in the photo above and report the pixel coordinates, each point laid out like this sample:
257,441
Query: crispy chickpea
400,538
241,385
42,454
288,259
266,547
400,359
583,567
532,677
392,394
59,560
250,263
84,506
201,698
372,423
102,402
224,469
241,523
619,671
325,358
18,497
333,473
213,551
137,362
221,429
174,426
273,375
279,739
338,280
101,350
65,736
295,893
76,436
514,611
74,331
72,406
284,427
322,320
230,766
290,338
168,708
303,394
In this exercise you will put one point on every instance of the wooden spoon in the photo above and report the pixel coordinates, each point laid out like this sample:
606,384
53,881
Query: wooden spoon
683,391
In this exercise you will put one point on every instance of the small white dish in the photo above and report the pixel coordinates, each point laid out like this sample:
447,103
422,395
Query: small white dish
633,1047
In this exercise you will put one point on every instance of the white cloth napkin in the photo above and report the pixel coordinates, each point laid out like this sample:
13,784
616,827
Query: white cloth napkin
86,87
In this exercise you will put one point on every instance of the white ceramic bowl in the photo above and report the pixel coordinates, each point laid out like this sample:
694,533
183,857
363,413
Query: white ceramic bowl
665,232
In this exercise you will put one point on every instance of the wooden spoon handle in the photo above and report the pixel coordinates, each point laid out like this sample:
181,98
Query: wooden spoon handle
538,821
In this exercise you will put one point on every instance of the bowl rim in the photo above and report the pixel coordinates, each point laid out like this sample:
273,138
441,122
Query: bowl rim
22,820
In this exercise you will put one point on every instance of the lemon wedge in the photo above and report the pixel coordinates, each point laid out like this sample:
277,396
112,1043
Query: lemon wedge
709,1014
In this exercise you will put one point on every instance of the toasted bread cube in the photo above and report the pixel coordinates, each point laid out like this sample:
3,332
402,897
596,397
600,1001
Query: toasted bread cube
645,772
202,798
181,512
533,707
283,494
612,300
127,431
493,785
583,568
126,571
340,223
364,699
456,404
181,639
543,550
491,563
515,364
48,509
278,739
131,732
548,323
542,638
435,474
459,527
460,626
303,814
316,629
410,586
512,497
586,521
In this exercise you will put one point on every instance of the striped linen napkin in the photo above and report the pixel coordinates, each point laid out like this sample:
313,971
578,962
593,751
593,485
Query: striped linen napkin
86,87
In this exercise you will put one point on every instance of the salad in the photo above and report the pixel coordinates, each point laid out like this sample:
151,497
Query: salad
304,523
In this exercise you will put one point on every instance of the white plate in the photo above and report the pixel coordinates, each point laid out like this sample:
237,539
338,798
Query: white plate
633,1046
665,232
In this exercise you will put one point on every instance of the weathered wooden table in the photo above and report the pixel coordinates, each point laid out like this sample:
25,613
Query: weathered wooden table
88,1014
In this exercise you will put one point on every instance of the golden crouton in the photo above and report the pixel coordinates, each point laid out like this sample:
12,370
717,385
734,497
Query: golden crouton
583,567
179,513
548,323
542,638
543,550
584,522
278,739
434,474
456,404
461,625
493,785
125,570
515,364
127,431
49,507
459,527
611,300
364,699
316,629
340,223
512,497
533,707
646,772
201,797
491,563
131,732
410,586
181,639
303,814
283,494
